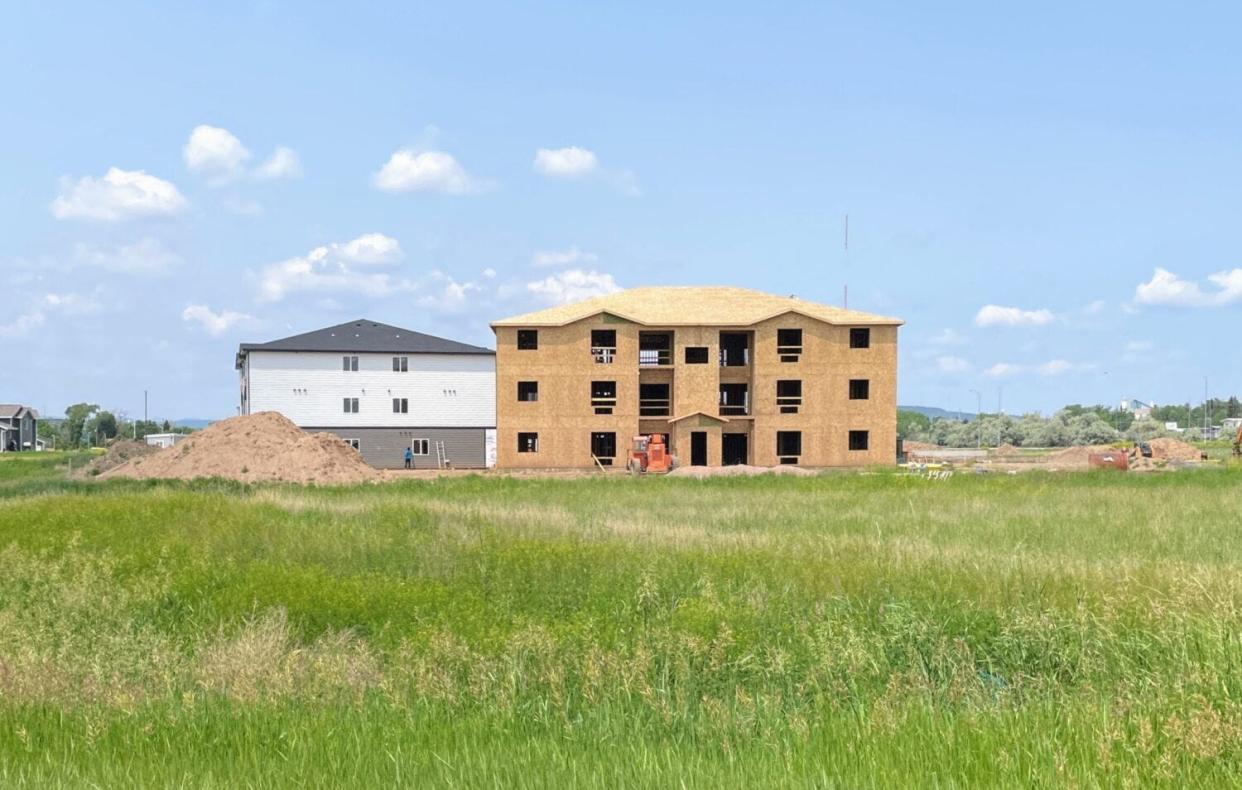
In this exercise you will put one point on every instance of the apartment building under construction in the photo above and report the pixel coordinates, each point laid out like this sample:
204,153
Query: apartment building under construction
728,375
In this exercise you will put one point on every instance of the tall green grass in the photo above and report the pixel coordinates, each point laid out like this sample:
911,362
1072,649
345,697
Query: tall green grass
845,630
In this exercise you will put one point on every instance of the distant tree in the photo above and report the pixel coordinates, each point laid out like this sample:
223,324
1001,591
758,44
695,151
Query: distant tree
103,425
167,426
912,424
73,429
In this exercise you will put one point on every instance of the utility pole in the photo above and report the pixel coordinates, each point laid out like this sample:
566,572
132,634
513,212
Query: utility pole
1205,408
979,416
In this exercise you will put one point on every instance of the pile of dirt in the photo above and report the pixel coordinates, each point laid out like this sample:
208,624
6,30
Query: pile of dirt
253,448
914,447
1174,450
1075,457
1006,449
739,469
119,452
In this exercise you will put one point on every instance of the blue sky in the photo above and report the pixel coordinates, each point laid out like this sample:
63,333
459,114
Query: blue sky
1047,195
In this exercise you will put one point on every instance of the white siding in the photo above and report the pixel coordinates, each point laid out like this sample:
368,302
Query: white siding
444,390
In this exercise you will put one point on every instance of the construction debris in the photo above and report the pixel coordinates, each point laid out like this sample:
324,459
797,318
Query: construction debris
254,448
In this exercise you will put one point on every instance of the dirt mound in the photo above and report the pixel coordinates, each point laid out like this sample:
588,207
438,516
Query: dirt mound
1173,450
1006,449
1072,457
914,447
739,469
253,448
119,452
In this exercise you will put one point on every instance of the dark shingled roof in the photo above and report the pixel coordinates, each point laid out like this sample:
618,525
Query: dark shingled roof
366,337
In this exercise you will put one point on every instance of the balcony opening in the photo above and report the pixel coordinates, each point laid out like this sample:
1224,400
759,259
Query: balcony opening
654,400
734,349
655,349
789,396
603,345
734,400
603,396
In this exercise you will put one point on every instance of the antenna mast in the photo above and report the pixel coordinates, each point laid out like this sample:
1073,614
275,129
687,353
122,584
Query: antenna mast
845,301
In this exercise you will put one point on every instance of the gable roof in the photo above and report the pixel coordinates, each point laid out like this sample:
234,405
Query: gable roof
687,415
694,306
14,410
363,336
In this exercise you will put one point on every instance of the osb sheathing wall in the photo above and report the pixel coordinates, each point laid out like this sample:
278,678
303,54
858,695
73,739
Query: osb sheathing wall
564,418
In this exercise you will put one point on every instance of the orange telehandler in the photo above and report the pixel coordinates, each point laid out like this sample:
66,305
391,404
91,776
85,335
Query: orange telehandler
648,454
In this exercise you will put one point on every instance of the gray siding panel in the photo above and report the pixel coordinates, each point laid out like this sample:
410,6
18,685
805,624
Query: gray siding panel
384,448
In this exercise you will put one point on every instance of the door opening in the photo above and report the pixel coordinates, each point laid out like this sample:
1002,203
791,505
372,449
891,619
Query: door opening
732,449
698,448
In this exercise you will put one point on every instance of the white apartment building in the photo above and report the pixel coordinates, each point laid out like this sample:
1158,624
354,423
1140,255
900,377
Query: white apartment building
382,389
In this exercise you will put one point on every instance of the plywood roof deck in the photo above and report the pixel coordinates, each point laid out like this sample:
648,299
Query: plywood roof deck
694,306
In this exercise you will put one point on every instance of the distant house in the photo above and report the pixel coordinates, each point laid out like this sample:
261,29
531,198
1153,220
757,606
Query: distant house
382,389
19,428
1230,425
1140,409
164,440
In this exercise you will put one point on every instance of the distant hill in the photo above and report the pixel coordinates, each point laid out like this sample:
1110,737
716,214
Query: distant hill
192,422
936,413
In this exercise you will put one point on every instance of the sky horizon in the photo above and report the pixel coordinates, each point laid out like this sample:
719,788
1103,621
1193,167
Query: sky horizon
1046,196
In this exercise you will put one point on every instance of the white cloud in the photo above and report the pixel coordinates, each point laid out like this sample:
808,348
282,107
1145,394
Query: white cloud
1057,367
216,323
569,162
573,162
950,364
37,313
283,163
489,273
70,303
562,257
145,256
572,285
215,152
120,194
996,315
1095,308
1003,369
23,324
1166,288
408,170
1139,346
369,248
335,267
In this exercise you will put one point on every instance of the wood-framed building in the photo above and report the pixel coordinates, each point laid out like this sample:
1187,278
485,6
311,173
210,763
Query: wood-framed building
729,375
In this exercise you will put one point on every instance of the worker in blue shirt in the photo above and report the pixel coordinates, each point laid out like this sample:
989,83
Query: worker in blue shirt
409,457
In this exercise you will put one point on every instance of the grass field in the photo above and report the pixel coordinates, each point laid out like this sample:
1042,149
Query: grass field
846,630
